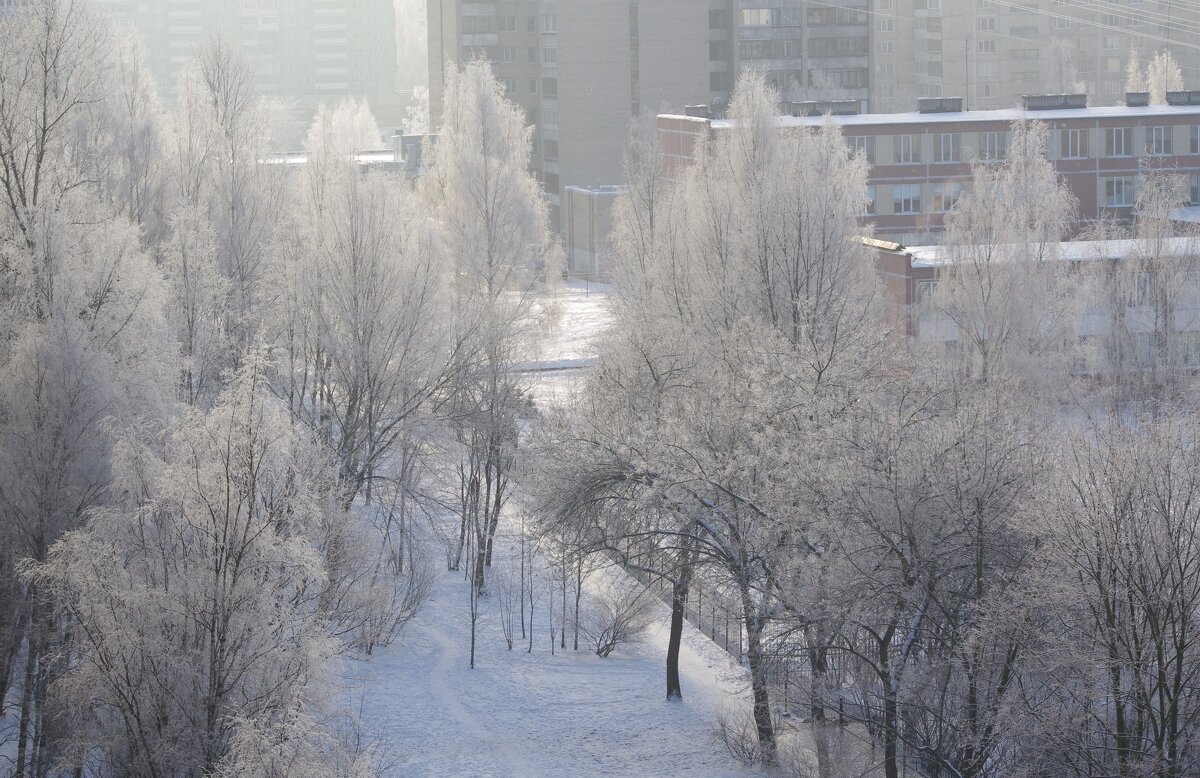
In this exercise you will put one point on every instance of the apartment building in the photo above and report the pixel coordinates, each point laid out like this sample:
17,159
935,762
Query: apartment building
990,52
807,51
303,51
581,70
1147,320
921,161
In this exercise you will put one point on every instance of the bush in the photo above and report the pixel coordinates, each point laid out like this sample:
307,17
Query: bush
618,617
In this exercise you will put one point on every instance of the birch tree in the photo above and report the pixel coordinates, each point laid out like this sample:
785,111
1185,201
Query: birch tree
494,228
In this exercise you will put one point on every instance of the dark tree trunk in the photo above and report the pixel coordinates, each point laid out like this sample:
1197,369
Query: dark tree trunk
678,601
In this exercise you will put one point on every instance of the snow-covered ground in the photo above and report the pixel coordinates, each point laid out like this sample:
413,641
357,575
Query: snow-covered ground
566,713
540,714
580,317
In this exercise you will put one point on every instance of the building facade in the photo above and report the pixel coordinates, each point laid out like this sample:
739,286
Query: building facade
303,51
921,162
582,70
991,52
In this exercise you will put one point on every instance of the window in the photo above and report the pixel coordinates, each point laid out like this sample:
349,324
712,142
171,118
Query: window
510,86
550,117
549,23
908,149
550,56
986,47
1194,189
885,24
1118,142
758,17
550,149
533,86
1140,290
870,198
1061,22
1141,350
1118,192
865,144
906,198
925,291
718,20
1074,144
885,47
716,50
550,87
472,25
531,23
985,70
986,24
945,196
1158,141
533,54
1189,348
507,24
508,55
993,146
947,147
1111,43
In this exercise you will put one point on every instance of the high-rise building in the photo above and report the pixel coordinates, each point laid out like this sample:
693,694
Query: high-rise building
581,69
808,51
990,52
304,51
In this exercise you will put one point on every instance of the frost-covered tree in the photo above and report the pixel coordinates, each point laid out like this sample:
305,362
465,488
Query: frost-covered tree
1163,75
494,228
215,551
345,130
1114,689
82,333
1002,296
749,329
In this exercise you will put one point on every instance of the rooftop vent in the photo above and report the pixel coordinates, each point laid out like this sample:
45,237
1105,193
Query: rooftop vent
822,107
1137,99
1185,97
939,105
697,111
1053,102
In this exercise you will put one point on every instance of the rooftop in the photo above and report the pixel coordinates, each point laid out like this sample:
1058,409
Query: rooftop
1001,115
1070,251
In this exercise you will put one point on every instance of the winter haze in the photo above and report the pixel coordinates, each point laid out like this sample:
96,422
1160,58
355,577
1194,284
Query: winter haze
771,388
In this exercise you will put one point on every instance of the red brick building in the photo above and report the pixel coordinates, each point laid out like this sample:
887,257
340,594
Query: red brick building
921,161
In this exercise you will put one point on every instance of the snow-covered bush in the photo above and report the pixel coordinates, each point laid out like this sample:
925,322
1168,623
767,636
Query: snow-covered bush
616,618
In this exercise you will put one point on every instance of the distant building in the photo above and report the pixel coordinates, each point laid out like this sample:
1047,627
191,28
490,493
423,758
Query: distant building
1153,320
990,52
920,162
586,228
304,51
581,69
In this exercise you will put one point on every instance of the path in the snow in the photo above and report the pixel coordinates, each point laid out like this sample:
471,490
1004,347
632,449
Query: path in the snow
537,713
521,713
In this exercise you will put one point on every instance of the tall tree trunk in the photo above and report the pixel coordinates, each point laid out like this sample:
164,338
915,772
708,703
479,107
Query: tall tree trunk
679,597
758,675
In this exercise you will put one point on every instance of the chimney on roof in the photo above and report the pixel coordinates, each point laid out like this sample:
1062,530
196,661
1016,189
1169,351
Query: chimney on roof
1053,102
939,105
1137,99
697,111
1184,97
397,147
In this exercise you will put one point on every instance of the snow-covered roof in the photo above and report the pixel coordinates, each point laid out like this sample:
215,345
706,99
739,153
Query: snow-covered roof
301,157
998,115
1071,251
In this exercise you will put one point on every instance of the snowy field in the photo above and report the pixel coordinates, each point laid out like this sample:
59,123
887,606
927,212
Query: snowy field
538,714
522,713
